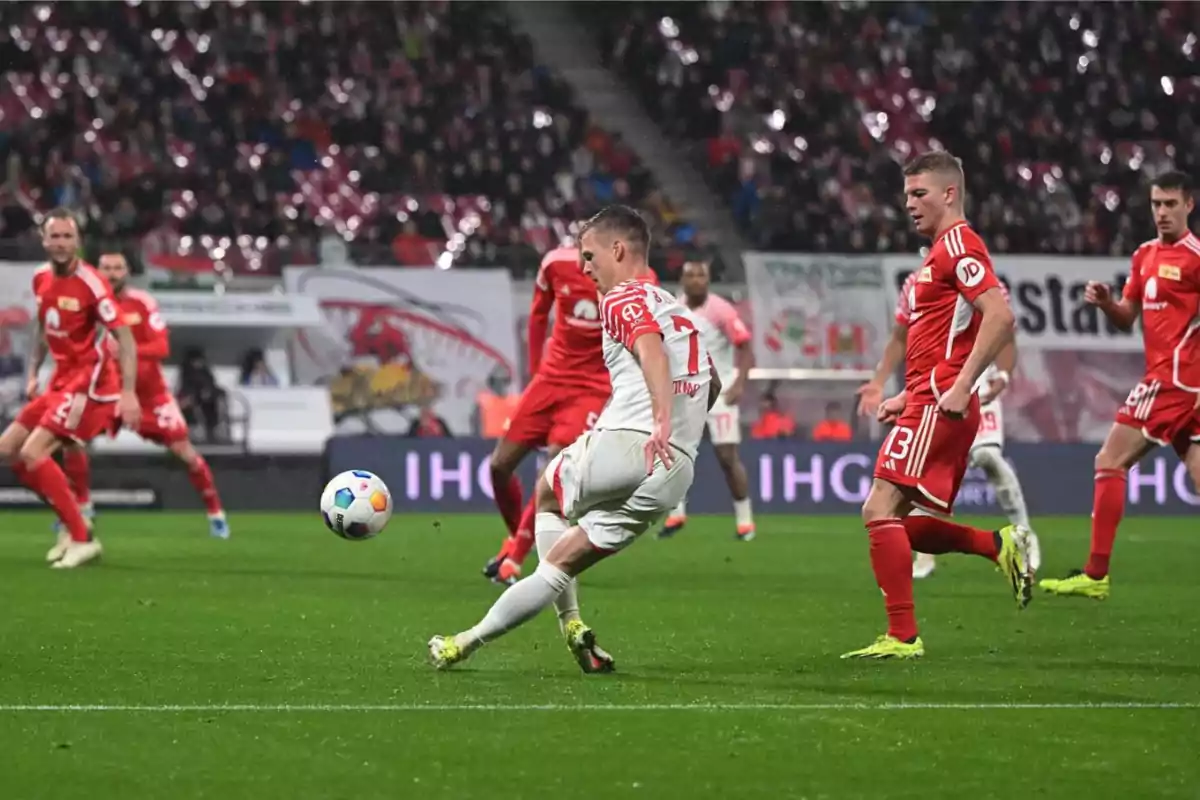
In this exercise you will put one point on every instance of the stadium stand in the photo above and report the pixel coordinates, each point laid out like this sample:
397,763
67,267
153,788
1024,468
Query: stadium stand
799,111
424,131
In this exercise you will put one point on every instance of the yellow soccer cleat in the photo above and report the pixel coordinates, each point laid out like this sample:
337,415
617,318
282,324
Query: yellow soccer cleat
581,641
886,647
444,652
1079,584
1013,561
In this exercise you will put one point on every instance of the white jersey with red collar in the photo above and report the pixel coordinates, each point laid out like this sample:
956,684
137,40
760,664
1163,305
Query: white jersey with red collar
633,309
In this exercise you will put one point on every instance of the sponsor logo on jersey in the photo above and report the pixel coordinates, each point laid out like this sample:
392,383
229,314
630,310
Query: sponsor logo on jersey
969,271
133,318
68,303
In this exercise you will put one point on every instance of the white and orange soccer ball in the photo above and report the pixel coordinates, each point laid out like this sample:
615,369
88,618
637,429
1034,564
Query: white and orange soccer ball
356,505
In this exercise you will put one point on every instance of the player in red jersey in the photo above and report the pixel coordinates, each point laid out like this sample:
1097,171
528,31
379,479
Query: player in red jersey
161,421
86,396
958,323
568,391
1164,408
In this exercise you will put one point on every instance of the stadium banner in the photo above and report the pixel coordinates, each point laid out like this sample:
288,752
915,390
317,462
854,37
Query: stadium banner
237,310
1074,369
160,482
393,340
817,311
448,475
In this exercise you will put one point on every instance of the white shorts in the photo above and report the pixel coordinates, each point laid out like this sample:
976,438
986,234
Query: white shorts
991,427
724,423
602,486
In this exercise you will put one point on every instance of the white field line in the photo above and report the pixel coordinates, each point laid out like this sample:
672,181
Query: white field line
407,708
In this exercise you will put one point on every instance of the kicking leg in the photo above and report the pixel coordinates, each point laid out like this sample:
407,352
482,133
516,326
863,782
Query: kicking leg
568,553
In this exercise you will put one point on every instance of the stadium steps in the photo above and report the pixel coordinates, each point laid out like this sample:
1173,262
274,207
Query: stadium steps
561,43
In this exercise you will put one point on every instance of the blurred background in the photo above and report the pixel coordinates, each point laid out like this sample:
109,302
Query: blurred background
341,206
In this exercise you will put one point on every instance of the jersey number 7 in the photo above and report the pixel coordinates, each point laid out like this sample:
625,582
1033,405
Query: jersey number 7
684,324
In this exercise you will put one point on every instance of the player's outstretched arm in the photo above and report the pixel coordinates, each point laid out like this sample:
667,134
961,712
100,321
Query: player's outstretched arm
1122,313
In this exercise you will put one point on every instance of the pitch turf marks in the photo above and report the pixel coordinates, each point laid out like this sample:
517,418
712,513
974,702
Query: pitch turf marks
567,708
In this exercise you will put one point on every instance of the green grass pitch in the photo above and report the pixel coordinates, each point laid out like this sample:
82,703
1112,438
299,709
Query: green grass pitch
729,685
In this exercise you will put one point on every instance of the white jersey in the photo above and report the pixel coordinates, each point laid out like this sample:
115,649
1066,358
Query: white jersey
628,311
723,332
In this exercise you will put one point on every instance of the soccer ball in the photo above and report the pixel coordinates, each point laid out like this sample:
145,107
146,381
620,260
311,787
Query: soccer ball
356,505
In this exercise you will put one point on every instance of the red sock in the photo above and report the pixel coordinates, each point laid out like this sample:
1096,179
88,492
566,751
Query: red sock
78,469
522,541
891,558
508,499
1108,506
47,479
935,536
201,477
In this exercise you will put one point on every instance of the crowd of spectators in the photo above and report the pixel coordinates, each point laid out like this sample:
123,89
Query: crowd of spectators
799,112
408,132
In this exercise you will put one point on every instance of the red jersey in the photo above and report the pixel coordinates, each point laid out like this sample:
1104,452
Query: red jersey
140,312
1165,280
904,300
76,313
573,356
942,322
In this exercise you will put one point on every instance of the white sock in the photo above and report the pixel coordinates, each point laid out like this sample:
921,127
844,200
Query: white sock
680,510
1008,487
742,512
520,603
548,528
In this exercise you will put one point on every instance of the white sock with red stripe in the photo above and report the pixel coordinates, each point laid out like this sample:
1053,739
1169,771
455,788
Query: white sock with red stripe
548,528
520,603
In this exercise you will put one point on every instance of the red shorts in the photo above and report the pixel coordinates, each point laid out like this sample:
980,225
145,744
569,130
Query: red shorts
927,452
1165,414
162,422
553,415
69,415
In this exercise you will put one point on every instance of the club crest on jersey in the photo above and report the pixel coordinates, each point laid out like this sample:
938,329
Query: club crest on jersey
133,318
1169,272
926,275
68,303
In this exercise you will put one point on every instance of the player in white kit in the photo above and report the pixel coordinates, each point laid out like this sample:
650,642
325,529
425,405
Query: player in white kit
987,449
728,342
616,480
